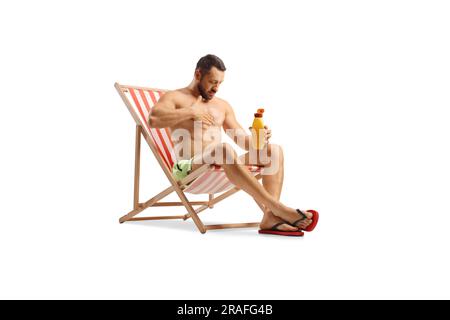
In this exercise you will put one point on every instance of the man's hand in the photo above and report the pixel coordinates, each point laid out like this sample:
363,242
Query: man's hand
267,134
201,113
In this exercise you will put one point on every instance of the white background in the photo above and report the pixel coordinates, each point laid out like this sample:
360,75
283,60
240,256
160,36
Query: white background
357,92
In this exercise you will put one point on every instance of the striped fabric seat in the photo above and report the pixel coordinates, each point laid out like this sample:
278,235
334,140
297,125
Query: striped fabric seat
142,101
211,181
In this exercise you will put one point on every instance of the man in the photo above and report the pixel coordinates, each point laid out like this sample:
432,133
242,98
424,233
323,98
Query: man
196,111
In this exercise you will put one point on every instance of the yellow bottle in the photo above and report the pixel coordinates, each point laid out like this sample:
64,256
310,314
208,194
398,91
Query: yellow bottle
258,140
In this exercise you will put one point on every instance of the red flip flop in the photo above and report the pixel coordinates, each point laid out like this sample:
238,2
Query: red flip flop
315,219
275,231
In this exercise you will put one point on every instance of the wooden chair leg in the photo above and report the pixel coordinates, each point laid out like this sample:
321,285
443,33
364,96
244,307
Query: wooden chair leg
190,209
144,206
137,167
211,198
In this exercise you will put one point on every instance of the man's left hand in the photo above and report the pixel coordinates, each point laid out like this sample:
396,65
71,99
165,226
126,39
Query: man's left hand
267,133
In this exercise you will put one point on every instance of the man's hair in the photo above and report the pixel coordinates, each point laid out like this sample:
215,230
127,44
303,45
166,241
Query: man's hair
207,62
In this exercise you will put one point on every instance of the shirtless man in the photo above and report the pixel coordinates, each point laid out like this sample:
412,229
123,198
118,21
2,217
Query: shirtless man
197,107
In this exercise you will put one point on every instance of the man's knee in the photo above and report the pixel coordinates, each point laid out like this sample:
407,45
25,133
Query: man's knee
275,150
276,159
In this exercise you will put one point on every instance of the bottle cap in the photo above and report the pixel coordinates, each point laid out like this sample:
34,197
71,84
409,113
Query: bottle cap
260,110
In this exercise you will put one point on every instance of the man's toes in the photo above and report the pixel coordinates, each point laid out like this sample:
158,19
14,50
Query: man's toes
304,223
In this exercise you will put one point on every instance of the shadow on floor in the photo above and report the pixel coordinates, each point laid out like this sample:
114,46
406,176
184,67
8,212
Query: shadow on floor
189,226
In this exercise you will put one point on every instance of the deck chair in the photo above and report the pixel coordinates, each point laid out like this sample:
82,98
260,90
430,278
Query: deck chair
208,179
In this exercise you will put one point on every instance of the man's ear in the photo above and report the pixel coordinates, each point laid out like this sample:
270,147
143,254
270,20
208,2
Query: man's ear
198,74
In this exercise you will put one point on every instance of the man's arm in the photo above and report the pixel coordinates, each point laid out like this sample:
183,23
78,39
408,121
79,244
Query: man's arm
164,113
234,130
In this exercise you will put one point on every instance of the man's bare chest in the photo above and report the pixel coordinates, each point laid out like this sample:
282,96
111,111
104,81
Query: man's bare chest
215,110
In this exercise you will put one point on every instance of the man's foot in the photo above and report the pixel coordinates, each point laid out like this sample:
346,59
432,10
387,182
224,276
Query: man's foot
270,220
292,215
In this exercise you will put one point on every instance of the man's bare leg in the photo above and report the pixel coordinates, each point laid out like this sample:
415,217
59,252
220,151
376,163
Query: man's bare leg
239,175
273,183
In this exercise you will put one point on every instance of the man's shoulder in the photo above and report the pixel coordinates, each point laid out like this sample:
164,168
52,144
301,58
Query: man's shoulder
222,102
174,93
178,96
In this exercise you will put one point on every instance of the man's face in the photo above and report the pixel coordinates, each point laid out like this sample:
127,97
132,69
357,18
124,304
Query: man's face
209,83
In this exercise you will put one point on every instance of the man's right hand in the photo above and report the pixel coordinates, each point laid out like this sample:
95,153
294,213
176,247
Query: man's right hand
201,113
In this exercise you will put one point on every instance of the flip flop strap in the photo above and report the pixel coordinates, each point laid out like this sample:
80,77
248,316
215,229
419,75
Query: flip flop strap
275,226
301,219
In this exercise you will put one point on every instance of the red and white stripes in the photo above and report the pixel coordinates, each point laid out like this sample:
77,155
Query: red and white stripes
142,101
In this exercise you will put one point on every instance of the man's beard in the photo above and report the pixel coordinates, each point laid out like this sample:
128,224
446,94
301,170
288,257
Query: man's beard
203,92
